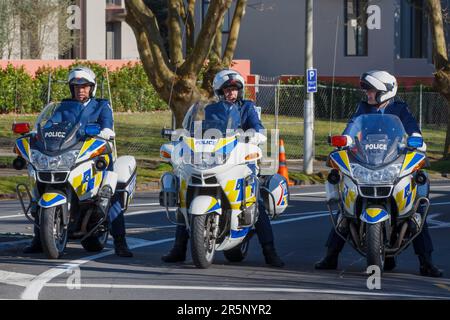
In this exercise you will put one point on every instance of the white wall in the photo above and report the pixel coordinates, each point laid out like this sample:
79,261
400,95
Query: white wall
129,45
96,27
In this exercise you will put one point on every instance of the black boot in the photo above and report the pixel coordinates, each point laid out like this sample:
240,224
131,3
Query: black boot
271,256
427,268
121,247
35,245
329,262
389,264
178,252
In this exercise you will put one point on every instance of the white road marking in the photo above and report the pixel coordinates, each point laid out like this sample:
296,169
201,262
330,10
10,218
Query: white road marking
144,204
300,218
439,203
136,213
250,289
306,194
436,224
17,215
439,187
14,278
34,288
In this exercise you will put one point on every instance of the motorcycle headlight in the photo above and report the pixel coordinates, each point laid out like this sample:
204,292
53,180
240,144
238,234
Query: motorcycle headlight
380,176
61,162
207,160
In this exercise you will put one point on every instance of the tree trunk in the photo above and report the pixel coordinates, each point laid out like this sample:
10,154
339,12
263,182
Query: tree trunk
183,95
440,60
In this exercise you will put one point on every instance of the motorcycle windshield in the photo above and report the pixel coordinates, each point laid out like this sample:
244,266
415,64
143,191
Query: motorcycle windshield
57,127
378,138
207,120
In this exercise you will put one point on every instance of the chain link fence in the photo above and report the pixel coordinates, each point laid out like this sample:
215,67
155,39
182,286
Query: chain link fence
282,108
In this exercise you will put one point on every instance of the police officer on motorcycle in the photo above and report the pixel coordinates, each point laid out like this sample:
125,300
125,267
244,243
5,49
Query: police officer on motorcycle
83,85
228,86
381,88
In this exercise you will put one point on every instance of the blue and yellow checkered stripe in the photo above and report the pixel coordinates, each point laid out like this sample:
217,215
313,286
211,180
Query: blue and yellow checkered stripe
234,189
226,145
49,200
239,233
412,159
373,215
342,160
213,206
24,147
404,197
90,146
85,182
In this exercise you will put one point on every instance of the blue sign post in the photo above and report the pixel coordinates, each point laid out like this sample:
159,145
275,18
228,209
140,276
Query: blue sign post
311,80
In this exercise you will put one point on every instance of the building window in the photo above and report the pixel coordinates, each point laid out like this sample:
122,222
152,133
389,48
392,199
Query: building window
355,28
113,36
413,29
114,2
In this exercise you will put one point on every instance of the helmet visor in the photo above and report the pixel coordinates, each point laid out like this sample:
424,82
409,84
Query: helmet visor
80,81
365,85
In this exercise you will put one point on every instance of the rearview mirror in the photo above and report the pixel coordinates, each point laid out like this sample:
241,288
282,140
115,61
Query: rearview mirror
167,133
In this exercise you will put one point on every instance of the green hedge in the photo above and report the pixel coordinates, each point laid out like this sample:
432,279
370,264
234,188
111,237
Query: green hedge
130,88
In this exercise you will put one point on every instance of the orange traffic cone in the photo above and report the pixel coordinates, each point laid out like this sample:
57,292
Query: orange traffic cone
282,169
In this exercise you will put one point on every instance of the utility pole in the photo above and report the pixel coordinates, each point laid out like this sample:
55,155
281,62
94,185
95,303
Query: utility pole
308,137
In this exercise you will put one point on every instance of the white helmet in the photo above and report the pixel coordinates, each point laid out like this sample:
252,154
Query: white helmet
82,75
228,78
382,81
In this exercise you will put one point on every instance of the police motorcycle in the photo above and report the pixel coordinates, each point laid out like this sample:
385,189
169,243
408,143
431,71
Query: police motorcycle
213,188
379,187
71,188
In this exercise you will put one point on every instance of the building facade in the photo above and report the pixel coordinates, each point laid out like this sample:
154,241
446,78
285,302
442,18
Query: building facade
369,34
396,38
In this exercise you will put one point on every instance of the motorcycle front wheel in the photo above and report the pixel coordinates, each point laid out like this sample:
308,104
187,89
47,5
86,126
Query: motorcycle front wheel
53,232
203,244
375,245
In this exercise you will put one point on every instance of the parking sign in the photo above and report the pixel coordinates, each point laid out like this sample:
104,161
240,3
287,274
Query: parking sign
311,80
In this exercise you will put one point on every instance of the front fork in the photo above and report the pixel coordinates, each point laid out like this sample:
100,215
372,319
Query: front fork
26,209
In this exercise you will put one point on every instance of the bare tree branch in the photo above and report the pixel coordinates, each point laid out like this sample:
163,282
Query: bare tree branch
216,50
234,32
145,53
175,33
190,27
437,28
214,17
144,20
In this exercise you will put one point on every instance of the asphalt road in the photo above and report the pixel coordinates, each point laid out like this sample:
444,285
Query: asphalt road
300,234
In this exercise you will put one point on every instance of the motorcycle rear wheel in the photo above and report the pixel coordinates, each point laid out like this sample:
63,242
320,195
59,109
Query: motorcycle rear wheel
95,242
238,253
